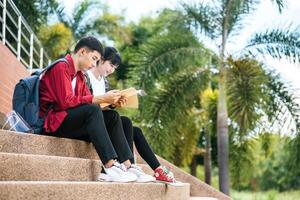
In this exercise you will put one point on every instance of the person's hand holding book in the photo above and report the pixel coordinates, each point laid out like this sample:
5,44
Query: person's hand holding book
111,97
127,98
122,101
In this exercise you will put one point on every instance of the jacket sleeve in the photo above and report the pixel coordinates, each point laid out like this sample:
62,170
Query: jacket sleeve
63,92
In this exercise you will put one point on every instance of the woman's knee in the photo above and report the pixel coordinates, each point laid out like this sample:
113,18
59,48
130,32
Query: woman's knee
126,121
137,132
114,114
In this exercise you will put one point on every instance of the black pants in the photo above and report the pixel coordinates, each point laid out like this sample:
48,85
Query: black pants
86,122
117,136
135,134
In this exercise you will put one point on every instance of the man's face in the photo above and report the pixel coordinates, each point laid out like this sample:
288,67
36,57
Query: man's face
88,59
106,68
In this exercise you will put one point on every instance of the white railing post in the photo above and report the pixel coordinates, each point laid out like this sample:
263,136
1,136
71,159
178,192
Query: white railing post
41,58
4,22
19,37
19,28
31,51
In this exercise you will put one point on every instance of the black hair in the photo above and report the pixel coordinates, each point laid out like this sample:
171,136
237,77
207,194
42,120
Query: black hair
111,54
91,43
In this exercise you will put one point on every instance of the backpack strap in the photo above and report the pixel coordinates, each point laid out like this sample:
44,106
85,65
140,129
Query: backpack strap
54,63
41,72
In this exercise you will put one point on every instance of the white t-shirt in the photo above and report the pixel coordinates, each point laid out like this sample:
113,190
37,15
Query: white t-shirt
74,84
98,84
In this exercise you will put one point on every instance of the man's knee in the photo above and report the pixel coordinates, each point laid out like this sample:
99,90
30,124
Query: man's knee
93,110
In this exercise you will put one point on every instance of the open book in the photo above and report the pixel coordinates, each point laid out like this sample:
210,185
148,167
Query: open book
132,98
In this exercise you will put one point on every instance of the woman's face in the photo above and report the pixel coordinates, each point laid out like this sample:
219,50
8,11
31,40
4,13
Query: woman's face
106,68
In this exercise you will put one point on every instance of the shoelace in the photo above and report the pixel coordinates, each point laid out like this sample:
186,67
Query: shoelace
136,167
120,166
168,173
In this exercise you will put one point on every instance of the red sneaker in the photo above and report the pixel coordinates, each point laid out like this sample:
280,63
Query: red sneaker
162,174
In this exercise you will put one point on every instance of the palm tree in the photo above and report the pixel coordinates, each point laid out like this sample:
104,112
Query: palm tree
169,69
221,20
81,22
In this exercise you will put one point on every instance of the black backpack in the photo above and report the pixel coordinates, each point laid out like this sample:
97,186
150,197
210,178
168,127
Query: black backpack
26,101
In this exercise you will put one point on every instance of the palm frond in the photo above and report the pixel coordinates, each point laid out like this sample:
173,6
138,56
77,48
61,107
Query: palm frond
277,43
266,142
81,23
170,104
62,17
188,132
165,55
209,99
244,80
282,101
205,18
294,152
242,158
280,4
235,11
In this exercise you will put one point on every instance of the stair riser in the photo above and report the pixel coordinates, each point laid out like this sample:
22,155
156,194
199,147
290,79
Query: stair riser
29,168
14,142
26,167
90,191
22,143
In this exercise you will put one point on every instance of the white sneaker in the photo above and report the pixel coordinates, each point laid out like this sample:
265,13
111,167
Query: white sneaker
116,173
142,177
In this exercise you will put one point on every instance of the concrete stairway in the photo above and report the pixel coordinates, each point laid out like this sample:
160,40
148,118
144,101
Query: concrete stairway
41,167
38,167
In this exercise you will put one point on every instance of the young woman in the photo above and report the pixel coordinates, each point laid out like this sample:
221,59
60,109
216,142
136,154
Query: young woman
97,83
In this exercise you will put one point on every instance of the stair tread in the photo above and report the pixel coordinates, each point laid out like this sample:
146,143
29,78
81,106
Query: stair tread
50,190
87,182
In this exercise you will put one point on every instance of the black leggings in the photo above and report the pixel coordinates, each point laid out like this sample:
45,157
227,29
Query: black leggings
116,133
135,134
87,122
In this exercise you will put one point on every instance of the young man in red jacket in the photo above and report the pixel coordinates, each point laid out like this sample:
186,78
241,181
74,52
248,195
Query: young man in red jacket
71,111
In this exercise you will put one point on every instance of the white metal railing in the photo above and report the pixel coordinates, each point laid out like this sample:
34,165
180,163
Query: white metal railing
17,35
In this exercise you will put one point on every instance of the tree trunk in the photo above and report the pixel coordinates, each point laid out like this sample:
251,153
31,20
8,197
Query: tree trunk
193,166
222,127
207,158
222,139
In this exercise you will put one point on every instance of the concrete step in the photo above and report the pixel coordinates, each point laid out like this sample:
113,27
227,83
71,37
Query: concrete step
56,190
198,188
20,143
24,143
28,167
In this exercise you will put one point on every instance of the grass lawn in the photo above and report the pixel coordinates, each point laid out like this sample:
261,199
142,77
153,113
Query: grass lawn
248,195
268,195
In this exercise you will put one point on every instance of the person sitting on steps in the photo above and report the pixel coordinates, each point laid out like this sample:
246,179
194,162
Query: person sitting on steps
98,86
71,111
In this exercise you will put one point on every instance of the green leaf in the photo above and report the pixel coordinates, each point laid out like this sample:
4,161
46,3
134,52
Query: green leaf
277,43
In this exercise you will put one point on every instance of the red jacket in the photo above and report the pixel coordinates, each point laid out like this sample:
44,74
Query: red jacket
56,91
